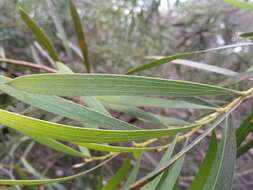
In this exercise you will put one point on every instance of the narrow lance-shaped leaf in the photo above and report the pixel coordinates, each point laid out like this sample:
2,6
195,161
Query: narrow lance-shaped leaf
65,108
80,34
170,58
37,174
90,101
244,148
240,4
246,127
152,185
151,102
54,180
170,177
59,27
79,134
187,148
205,67
223,166
133,175
117,178
112,85
137,113
248,35
206,166
56,145
146,116
120,149
39,34
238,78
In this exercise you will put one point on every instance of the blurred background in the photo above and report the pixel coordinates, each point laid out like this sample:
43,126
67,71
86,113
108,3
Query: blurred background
122,34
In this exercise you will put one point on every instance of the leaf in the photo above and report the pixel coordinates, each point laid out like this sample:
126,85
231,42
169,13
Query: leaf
206,166
119,149
95,104
170,176
248,35
151,102
110,85
56,145
244,129
138,113
54,180
39,34
205,67
244,148
152,185
116,180
146,116
240,4
238,78
223,166
79,134
187,148
133,175
170,58
59,27
65,108
80,34
63,68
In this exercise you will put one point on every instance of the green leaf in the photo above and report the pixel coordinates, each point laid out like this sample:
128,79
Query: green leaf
240,4
170,58
238,78
248,35
244,148
59,27
206,166
66,108
205,67
152,185
79,134
169,177
246,127
133,175
36,174
186,149
138,113
62,68
95,104
162,121
80,34
54,180
151,102
56,145
110,85
122,149
223,166
39,34
116,180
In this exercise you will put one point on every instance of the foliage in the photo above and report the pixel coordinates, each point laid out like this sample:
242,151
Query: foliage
91,99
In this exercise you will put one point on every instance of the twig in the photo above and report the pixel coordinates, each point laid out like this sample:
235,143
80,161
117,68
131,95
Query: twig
28,64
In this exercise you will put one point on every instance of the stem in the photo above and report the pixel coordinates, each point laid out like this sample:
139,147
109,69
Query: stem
28,64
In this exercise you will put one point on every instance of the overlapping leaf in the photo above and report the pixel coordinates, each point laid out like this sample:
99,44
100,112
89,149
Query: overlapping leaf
79,134
39,33
170,58
223,165
80,34
66,108
110,85
206,166
117,178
